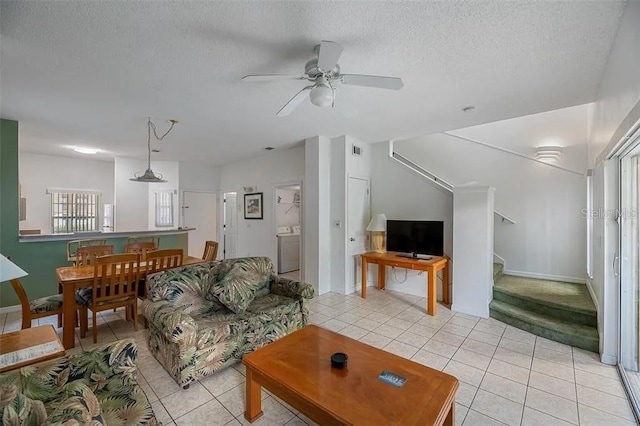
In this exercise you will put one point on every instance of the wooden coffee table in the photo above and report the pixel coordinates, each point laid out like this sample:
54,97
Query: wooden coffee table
297,369
29,346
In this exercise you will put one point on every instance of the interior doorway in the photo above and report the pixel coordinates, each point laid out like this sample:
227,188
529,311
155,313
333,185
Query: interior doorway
229,225
288,227
200,211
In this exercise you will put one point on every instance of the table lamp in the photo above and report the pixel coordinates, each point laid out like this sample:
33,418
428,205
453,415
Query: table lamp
378,228
9,270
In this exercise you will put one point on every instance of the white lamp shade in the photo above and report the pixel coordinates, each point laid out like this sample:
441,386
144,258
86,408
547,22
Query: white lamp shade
9,270
378,223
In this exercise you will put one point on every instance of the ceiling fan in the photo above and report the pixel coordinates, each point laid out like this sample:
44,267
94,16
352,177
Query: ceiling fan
324,73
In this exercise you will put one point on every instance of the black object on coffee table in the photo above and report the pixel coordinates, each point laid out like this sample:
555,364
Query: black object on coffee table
339,360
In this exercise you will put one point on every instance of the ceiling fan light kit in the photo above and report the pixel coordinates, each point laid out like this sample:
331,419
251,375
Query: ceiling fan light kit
322,94
324,73
149,176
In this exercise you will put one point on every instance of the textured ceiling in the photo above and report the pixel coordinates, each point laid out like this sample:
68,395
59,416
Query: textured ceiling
565,127
88,73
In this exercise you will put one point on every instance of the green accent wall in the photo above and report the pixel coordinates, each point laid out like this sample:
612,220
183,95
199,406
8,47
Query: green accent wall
39,259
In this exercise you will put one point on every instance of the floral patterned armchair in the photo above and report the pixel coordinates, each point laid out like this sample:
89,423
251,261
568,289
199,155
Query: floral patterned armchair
97,387
205,317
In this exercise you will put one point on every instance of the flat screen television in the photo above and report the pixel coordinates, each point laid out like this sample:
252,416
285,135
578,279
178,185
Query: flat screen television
416,237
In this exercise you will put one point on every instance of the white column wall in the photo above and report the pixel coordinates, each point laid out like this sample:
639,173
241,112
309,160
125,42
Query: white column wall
316,212
473,249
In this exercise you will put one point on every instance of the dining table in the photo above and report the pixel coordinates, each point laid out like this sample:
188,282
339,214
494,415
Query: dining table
72,278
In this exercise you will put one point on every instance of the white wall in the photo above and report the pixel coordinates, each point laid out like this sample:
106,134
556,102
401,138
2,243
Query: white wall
135,201
338,213
170,171
258,237
39,172
199,177
618,102
287,213
549,237
131,198
616,110
345,271
316,195
473,249
358,167
401,194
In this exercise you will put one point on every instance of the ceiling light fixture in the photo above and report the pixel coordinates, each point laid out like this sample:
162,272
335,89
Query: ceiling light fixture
148,175
85,150
322,94
548,153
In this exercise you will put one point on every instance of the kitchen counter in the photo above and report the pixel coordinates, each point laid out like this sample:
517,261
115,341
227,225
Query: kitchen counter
89,235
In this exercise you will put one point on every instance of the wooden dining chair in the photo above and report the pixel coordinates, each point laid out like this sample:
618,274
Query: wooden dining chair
210,250
73,245
159,260
46,306
115,284
141,248
86,256
139,239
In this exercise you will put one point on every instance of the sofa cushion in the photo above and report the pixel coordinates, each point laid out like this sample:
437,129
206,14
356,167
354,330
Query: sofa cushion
187,288
43,382
246,279
79,406
17,408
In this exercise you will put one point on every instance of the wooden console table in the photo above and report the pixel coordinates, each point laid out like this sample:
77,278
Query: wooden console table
431,267
29,346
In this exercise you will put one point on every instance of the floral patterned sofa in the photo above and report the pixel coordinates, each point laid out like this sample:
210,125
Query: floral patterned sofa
205,317
91,388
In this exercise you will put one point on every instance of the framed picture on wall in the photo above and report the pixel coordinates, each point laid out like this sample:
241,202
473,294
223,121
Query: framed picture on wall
253,205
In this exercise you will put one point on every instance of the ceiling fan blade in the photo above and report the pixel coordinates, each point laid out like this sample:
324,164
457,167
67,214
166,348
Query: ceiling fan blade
294,102
392,83
329,54
272,77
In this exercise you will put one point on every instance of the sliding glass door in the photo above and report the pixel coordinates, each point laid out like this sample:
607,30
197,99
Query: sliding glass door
629,266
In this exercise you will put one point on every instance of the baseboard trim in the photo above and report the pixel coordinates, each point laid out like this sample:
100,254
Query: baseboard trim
608,359
545,276
8,309
500,260
482,313
593,295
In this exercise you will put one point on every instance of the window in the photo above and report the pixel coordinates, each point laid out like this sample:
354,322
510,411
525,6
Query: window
164,209
74,211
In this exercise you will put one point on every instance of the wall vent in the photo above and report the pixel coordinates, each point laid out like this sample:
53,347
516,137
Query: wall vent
356,150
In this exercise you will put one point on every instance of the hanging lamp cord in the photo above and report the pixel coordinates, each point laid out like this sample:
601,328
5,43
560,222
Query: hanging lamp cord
152,126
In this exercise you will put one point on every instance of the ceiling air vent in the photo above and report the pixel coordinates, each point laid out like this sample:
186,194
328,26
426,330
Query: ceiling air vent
356,150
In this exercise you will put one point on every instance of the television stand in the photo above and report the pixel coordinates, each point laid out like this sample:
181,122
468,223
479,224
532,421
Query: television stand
415,256
431,267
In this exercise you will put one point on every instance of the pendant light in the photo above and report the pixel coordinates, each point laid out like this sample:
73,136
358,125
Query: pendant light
149,176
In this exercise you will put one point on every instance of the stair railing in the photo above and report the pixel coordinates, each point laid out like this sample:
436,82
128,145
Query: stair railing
438,180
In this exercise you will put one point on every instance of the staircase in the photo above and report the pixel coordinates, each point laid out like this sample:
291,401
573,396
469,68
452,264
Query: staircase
559,311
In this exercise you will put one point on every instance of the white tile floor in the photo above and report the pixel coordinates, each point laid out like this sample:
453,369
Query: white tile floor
507,376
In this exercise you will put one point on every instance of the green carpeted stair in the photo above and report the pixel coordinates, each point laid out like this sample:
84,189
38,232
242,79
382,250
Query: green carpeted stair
559,311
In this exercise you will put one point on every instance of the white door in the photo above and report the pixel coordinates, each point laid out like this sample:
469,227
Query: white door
200,211
358,216
230,226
